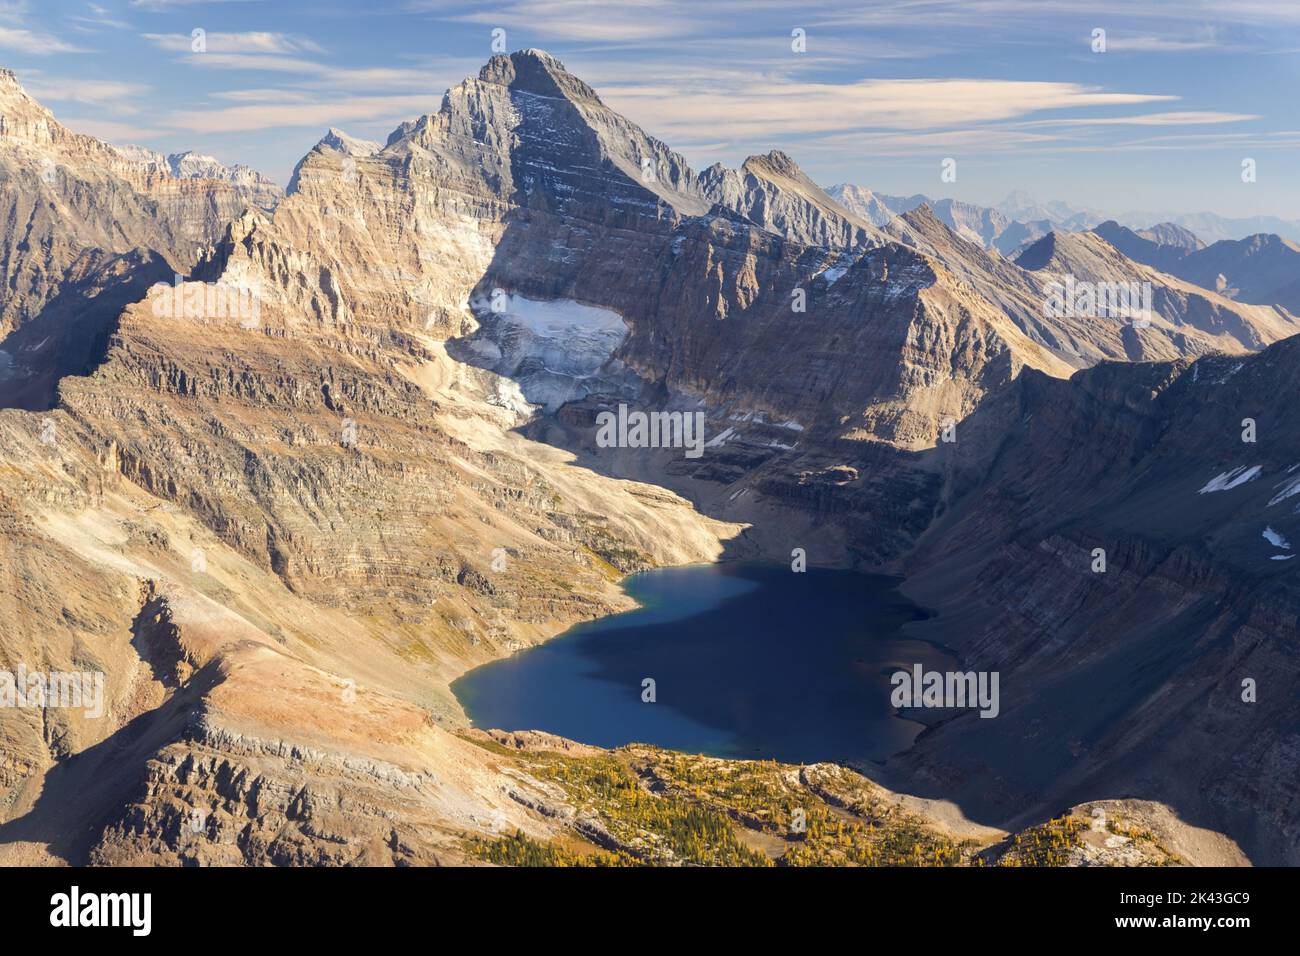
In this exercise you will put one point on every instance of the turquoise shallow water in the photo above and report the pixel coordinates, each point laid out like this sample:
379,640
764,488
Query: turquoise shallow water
748,661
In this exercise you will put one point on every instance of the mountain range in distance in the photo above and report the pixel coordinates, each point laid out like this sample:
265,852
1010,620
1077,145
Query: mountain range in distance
1019,218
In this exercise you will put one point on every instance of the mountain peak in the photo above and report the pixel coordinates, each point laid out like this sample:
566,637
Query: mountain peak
342,142
922,215
21,116
774,161
537,72
12,90
1038,254
540,56
1171,234
1111,229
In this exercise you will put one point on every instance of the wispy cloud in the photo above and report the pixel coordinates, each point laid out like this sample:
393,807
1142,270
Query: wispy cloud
981,140
767,109
253,43
583,20
161,6
34,42
1031,14
267,94
250,61
324,112
113,131
1205,38
113,95
1185,118
96,18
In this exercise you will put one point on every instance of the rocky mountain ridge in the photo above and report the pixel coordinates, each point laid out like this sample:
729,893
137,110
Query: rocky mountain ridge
87,227
1259,269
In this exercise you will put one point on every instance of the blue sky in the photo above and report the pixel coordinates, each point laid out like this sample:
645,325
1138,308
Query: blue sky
883,93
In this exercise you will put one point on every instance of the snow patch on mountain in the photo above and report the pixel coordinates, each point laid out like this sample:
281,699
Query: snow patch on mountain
1231,479
1289,487
557,350
721,438
1276,540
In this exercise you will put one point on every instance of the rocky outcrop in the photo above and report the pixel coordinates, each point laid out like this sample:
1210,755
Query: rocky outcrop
86,222
774,192
862,202
254,188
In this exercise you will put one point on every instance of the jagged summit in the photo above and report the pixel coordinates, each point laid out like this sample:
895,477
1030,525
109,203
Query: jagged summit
1150,245
191,164
9,80
537,72
774,161
862,202
922,215
770,189
921,224
1172,234
1038,254
26,122
336,139
22,117
85,227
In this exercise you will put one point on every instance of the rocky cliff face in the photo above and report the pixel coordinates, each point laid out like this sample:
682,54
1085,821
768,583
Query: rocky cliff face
774,192
974,223
252,186
1127,675
86,228
276,452
862,202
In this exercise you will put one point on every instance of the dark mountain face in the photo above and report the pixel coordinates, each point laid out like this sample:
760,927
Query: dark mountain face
1260,269
1146,247
1170,234
1129,678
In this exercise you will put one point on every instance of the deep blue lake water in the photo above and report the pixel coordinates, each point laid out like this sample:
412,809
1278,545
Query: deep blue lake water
748,661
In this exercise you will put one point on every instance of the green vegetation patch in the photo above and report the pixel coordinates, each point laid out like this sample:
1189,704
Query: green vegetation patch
651,806
522,850
1047,844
